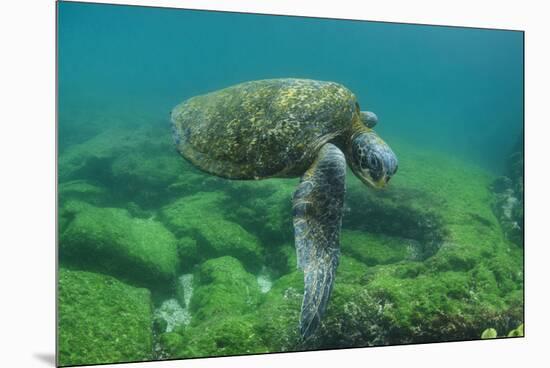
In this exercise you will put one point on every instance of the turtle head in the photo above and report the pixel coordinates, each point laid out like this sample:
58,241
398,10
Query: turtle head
371,159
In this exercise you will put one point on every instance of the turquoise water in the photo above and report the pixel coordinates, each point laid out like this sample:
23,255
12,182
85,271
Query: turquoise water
454,88
450,103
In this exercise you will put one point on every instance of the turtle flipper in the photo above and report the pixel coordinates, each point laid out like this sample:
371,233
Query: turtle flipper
317,211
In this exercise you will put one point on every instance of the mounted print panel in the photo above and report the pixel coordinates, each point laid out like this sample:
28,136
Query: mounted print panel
233,184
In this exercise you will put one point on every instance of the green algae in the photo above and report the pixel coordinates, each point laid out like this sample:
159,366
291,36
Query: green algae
91,158
110,240
215,236
265,207
232,335
354,316
466,281
223,287
224,300
508,199
82,190
516,332
102,320
278,316
136,165
374,249
143,176
489,333
171,342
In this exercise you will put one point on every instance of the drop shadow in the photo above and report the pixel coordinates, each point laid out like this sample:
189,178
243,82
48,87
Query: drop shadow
46,358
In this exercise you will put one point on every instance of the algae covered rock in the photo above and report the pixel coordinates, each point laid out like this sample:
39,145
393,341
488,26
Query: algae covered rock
82,190
423,261
279,314
199,218
373,249
170,342
508,207
354,316
102,320
266,207
467,277
354,319
136,165
76,195
454,257
508,195
92,158
223,305
68,208
145,177
516,332
489,333
110,240
438,306
233,335
223,287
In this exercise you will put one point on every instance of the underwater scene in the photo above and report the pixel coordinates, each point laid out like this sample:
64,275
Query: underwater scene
224,184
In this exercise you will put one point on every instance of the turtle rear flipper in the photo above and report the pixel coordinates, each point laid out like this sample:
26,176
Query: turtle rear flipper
317,211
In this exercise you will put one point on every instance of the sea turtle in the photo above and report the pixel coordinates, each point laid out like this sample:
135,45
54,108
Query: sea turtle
289,128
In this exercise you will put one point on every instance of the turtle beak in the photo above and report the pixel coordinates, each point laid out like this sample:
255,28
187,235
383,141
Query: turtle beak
382,182
379,184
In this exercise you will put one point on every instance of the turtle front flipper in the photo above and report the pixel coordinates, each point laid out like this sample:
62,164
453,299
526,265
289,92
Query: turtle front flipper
317,211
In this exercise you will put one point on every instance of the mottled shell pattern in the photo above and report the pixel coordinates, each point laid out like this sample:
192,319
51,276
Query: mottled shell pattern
265,128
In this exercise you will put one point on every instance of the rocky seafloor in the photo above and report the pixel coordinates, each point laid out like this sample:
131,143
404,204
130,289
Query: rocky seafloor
159,260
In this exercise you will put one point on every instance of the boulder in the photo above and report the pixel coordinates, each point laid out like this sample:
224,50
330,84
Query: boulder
144,177
223,287
266,207
109,240
279,314
102,320
231,335
203,231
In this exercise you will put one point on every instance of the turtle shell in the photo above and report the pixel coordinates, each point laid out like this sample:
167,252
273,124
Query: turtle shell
265,128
